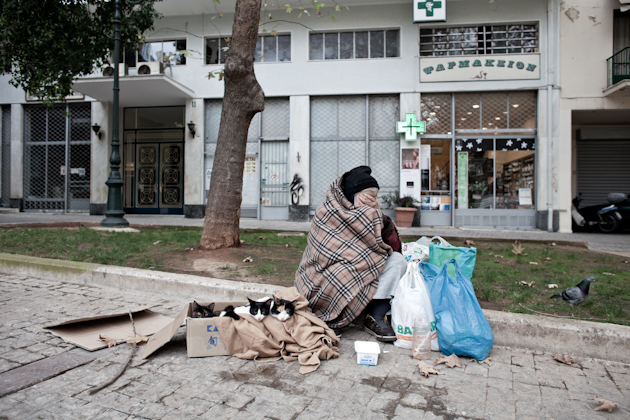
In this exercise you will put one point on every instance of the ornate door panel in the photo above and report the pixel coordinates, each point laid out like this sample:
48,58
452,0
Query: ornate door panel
147,175
171,172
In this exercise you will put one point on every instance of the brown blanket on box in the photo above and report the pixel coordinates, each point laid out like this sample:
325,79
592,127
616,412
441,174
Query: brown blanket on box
302,337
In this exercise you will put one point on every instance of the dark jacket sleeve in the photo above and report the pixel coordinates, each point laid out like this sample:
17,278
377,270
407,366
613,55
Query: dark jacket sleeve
390,234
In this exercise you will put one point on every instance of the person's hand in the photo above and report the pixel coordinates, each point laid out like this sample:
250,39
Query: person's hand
367,198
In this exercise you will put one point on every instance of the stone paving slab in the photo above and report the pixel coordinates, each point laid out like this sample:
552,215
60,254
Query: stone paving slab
169,385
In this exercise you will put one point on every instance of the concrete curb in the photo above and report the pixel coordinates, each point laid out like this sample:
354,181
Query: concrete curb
533,332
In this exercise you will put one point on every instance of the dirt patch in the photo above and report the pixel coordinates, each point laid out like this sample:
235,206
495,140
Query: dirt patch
270,265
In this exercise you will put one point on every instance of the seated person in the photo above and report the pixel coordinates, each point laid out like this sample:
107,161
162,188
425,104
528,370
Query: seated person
353,257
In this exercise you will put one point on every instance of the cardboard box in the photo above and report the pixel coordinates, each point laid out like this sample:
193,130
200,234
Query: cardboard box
202,336
84,332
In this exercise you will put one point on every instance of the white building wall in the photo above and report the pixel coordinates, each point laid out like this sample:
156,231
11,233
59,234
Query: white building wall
586,42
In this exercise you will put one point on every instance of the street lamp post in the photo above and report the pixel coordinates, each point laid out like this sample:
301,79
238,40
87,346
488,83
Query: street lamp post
115,215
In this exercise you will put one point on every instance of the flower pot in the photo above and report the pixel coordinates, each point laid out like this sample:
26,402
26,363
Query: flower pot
404,216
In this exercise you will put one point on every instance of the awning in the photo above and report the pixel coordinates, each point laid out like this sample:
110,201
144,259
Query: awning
149,90
625,5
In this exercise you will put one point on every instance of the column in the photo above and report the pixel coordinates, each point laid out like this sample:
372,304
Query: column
100,150
17,160
299,153
194,160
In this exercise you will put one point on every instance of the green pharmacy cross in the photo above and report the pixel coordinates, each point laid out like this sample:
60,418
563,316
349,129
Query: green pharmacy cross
429,6
410,127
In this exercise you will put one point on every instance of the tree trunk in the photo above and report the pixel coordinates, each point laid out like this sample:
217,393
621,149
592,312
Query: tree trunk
242,99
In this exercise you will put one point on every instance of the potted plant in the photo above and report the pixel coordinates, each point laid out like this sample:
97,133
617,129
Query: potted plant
405,208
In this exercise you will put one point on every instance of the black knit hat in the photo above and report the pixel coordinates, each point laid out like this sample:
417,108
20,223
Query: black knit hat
357,180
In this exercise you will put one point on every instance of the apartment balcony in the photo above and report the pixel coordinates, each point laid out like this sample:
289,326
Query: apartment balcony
619,74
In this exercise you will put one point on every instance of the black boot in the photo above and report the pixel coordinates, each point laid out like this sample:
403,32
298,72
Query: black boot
375,321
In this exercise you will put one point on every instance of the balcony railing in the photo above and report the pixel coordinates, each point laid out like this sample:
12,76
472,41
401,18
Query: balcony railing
619,67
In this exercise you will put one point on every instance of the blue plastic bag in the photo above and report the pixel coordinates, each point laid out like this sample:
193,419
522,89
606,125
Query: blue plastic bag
465,257
461,326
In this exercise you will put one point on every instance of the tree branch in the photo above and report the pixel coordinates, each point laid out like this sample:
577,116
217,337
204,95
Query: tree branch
124,366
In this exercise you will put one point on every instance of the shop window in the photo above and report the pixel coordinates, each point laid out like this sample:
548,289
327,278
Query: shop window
269,49
436,113
495,173
479,40
435,169
497,112
351,45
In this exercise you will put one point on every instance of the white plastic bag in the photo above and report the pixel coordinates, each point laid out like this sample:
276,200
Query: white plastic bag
426,241
414,252
412,301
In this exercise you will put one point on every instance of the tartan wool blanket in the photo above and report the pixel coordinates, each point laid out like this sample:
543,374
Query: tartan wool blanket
343,259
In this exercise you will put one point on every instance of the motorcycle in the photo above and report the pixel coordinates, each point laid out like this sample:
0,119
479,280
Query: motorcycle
607,217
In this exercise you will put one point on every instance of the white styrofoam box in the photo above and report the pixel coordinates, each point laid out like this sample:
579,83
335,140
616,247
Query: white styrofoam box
367,352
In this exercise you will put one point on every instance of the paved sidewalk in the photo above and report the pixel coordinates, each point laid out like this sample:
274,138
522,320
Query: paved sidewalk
518,385
618,243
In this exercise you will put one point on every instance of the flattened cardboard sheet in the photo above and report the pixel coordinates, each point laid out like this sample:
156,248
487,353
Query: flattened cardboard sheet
202,337
84,332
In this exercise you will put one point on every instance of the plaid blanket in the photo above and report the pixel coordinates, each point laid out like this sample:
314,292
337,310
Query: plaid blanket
343,259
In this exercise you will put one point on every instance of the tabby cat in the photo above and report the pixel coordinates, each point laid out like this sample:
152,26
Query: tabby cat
201,311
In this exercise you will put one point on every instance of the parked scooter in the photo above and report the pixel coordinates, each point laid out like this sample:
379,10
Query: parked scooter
607,217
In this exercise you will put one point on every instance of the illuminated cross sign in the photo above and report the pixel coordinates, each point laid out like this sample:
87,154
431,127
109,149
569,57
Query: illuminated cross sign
410,127
429,11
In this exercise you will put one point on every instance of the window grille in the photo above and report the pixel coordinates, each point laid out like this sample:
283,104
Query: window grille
479,40
269,49
350,45
343,129
272,125
57,157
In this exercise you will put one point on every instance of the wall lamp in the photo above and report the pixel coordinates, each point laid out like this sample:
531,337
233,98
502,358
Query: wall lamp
97,130
191,127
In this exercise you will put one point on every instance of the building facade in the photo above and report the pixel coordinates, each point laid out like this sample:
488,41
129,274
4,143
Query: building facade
487,80
594,122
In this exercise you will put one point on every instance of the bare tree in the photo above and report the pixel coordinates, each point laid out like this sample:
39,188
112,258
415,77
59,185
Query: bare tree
243,98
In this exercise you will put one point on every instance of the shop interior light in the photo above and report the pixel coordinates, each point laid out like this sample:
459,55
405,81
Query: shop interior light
504,112
436,107
463,118
475,106
429,119
431,113
514,105
469,113
497,118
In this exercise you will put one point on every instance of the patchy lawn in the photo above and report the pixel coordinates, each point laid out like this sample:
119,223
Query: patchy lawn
497,277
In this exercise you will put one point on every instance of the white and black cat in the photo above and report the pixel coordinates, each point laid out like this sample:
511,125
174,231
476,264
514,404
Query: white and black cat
259,309
283,309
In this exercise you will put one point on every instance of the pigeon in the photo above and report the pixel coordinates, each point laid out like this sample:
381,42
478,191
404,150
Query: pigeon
576,294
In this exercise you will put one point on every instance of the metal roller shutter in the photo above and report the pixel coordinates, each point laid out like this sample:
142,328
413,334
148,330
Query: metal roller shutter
602,168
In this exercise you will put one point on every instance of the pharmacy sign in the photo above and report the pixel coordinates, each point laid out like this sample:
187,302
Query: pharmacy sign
429,11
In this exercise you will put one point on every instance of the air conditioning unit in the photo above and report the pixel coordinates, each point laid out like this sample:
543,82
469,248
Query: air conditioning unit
151,67
108,70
